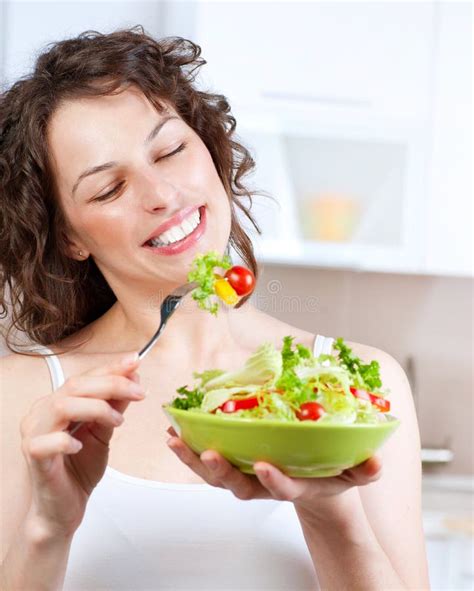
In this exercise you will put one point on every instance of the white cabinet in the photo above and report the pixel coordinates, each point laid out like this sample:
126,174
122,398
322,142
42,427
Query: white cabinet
347,190
449,211
448,523
366,56
359,116
450,561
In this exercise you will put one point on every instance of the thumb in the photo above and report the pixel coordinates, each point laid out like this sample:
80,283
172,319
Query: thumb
367,471
372,468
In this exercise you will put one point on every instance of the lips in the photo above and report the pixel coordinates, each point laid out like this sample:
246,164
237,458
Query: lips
177,218
190,241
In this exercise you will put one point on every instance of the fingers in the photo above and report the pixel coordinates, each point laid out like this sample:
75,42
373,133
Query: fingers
83,398
67,409
241,485
217,471
105,387
100,383
280,486
372,468
188,457
365,472
121,366
41,450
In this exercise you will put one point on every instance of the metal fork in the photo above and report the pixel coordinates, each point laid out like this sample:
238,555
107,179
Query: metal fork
167,308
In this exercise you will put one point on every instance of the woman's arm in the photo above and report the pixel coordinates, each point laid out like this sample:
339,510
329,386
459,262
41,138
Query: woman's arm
31,558
374,539
345,552
36,559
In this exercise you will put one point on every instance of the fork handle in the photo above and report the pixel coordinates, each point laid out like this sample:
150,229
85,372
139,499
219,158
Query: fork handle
150,344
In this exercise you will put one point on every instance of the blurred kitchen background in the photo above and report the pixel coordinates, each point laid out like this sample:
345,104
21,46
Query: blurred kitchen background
359,117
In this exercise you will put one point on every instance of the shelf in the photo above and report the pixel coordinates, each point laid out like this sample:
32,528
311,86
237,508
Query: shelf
340,256
347,194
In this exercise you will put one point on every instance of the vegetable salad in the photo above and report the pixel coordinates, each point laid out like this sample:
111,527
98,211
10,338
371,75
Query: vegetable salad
292,385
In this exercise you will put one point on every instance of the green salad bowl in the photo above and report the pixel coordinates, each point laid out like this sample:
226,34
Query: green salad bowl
304,449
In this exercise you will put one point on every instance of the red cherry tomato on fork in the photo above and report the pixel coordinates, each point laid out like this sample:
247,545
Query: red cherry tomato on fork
241,279
310,411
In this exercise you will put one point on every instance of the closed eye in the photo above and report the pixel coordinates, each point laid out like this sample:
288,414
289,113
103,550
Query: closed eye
113,191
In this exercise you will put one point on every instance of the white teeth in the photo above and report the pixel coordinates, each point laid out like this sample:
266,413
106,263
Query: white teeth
194,218
156,242
188,227
179,231
166,236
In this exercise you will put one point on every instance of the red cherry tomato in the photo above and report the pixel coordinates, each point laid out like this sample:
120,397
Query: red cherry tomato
310,411
241,279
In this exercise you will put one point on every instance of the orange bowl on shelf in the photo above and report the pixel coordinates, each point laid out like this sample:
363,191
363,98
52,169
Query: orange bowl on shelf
329,217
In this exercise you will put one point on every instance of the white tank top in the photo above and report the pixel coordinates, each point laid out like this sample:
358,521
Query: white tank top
145,535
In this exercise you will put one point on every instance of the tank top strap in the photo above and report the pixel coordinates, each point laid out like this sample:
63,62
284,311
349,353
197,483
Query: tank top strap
322,345
54,366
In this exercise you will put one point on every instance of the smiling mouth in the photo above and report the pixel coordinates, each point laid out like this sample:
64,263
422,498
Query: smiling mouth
179,232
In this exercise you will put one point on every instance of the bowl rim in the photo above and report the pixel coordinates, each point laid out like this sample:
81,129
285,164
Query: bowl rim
211,418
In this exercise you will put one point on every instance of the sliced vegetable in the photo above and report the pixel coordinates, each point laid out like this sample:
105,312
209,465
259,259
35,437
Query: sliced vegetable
226,292
215,398
241,279
242,404
381,403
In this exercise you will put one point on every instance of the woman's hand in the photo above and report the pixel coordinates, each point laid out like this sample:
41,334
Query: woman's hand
64,469
308,494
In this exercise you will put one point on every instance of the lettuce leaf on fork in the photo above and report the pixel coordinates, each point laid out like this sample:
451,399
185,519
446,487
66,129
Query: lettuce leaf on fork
202,271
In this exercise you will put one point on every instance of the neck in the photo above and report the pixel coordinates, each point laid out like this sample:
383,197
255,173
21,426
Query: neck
192,334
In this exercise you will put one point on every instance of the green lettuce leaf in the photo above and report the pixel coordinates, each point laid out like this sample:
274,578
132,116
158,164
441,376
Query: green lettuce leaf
263,367
202,271
365,375
188,398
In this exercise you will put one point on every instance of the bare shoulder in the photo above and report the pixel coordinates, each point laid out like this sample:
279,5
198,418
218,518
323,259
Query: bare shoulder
23,378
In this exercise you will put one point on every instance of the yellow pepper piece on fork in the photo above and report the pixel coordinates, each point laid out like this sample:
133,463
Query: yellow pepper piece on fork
226,292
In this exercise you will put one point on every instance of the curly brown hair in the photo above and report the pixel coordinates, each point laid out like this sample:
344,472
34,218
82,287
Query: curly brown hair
51,295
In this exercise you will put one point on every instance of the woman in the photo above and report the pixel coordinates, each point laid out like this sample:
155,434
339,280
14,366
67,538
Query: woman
104,143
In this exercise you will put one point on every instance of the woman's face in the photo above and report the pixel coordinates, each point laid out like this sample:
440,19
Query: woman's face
154,170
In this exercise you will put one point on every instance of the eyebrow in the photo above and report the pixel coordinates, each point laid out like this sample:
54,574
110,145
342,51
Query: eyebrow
107,165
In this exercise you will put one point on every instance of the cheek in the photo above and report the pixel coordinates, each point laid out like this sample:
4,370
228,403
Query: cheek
109,227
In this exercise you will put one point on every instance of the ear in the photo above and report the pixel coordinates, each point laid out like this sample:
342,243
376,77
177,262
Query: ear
74,248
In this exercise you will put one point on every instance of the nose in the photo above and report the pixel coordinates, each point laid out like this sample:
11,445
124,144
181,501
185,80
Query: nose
157,192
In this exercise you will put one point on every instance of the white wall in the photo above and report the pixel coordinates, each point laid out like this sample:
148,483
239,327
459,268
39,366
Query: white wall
27,27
